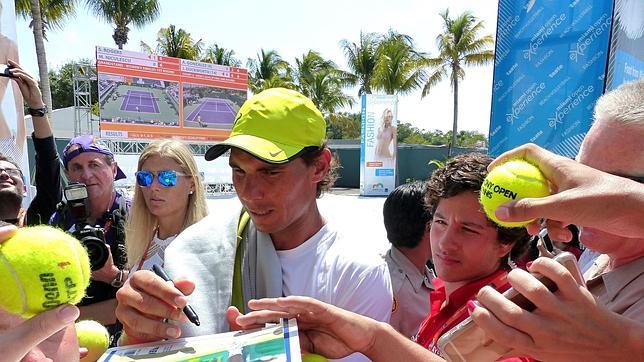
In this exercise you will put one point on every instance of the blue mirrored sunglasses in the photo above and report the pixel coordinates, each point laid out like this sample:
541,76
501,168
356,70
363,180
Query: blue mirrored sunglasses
167,178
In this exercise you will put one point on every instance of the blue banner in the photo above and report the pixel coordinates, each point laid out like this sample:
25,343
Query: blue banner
549,70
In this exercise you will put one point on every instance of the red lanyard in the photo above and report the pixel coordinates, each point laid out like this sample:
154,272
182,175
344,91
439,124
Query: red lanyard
145,253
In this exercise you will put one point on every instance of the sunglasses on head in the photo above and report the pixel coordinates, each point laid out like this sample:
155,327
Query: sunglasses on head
167,178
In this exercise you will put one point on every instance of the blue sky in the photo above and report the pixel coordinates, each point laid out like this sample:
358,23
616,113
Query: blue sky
293,27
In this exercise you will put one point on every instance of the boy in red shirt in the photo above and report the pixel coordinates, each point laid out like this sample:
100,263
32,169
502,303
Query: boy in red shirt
468,250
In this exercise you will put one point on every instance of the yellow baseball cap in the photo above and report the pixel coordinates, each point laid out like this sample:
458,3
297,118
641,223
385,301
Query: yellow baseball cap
276,126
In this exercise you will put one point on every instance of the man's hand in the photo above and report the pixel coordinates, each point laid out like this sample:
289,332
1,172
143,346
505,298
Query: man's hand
7,232
567,325
145,301
28,86
50,334
582,196
324,328
107,272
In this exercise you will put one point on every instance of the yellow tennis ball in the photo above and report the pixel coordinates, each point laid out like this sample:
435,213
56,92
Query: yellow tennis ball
41,267
312,357
93,336
512,181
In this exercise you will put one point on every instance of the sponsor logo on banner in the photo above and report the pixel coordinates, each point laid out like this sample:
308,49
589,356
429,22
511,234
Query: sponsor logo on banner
549,70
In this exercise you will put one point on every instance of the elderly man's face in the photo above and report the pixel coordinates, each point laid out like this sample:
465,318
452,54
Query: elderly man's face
92,169
616,149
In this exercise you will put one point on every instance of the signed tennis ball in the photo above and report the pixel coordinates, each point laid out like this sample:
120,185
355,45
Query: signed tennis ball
512,181
93,336
41,267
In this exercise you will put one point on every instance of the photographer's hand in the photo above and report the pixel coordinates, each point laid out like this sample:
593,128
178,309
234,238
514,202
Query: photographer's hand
32,97
28,85
106,273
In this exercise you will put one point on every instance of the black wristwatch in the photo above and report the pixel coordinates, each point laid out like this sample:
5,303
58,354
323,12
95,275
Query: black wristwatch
38,112
118,281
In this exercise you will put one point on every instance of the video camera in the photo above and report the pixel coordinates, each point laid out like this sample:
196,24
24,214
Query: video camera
92,237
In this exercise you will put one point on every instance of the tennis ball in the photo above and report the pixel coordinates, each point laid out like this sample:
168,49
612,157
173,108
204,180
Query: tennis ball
93,336
512,181
41,267
312,357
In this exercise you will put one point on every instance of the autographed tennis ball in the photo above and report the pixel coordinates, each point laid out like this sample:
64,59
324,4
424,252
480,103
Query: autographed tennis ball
93,336
41,267
312,357
512,181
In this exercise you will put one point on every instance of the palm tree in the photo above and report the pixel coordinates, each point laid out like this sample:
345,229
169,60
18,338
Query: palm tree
44,15
269,70
306,68
321,81
173,42
326,92
459,45
400,68
220,55
361,59
123,13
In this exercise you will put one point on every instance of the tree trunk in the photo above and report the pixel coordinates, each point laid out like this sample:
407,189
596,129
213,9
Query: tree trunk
40,52
454,126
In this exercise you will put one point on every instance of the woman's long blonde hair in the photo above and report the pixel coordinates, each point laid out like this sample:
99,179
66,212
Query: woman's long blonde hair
141,224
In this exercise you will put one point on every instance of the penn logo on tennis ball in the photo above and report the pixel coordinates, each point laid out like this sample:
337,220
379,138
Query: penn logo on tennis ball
51,291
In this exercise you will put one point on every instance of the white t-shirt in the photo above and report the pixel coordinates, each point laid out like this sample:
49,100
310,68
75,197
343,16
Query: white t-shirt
155,254
331,269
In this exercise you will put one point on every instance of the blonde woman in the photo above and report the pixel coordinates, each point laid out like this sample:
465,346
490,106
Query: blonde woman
386,136
169,197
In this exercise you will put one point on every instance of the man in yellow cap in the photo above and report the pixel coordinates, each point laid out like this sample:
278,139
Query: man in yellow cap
280,165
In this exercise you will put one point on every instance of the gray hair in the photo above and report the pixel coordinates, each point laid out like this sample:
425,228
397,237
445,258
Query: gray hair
624,104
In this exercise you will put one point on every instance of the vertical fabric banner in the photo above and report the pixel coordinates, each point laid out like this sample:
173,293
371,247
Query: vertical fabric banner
626,62
549,70
378,146
13,140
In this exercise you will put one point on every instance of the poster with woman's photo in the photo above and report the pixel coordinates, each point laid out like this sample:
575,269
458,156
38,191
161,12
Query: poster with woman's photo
378,144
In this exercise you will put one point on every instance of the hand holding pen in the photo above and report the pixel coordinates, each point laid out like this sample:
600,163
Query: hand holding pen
189,312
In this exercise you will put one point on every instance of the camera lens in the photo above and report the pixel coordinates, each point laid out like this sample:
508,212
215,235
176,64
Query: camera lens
97,251
94,241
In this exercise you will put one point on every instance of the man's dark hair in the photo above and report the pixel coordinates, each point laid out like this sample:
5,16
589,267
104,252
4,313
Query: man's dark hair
465,173
405,215
7,159
331,176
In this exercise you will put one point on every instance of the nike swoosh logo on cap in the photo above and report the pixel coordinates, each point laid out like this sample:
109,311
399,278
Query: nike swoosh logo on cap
273,154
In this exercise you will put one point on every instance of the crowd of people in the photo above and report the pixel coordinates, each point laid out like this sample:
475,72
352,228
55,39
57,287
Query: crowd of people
270,253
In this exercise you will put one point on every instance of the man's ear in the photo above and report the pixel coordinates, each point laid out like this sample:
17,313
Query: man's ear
505,249
114,168
321,165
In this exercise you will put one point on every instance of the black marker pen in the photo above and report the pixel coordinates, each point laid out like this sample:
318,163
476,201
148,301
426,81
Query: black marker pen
189,312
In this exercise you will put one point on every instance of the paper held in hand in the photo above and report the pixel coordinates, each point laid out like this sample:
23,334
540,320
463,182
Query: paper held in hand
276,342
